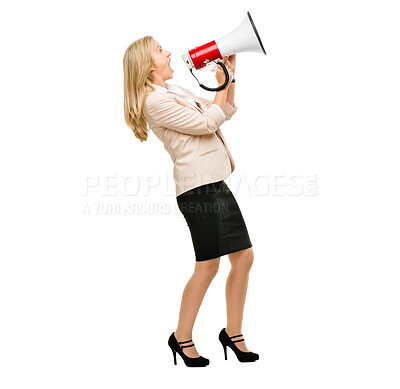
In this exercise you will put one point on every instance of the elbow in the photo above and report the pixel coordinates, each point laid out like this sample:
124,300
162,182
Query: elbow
212,126
204,126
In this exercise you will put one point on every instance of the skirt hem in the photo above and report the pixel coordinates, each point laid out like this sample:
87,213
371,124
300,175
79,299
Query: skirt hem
225,252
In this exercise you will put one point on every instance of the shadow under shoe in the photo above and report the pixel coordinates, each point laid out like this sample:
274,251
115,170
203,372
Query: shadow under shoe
242,356
177,348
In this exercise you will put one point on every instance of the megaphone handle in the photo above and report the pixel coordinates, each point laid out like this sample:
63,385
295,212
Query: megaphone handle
220,87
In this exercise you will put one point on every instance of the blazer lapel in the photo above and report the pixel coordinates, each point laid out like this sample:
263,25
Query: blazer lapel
185,102
190,94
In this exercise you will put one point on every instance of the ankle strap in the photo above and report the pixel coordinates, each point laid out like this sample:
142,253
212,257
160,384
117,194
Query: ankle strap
186,341
190,345
240,340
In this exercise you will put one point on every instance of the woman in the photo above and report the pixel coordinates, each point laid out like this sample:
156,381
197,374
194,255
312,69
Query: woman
188,126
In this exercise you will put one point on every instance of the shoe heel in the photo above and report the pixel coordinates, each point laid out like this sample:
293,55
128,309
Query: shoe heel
174,354
226,356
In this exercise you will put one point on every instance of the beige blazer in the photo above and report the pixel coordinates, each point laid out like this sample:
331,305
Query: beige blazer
192,137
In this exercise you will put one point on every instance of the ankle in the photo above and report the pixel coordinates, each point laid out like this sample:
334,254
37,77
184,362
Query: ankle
182,336
233,331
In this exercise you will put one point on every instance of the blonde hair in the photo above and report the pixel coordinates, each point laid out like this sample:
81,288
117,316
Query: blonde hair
138,60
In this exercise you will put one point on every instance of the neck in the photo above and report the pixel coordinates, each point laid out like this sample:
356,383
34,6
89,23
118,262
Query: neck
160,83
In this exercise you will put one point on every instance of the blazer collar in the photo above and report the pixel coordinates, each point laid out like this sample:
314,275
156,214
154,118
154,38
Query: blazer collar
173,91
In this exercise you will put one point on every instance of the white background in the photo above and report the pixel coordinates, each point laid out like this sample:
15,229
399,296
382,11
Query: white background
88,300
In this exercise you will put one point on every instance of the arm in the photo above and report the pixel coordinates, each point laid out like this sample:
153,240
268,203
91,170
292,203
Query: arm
231,62
220,98
165,111
225,98
230,97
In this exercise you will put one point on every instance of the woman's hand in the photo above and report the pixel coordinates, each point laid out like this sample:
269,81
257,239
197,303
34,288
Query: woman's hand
220,75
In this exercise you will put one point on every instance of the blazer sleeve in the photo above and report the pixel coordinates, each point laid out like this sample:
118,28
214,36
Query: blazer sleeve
229,110
162,110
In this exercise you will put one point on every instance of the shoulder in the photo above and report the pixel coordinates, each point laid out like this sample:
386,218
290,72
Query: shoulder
155,98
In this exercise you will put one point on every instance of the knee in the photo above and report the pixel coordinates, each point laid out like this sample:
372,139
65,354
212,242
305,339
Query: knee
248,258
243,260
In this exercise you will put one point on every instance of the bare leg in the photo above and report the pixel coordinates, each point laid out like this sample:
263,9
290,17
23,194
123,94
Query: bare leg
236,289
192,298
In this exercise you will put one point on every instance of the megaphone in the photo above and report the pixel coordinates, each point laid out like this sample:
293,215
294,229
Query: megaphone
244,38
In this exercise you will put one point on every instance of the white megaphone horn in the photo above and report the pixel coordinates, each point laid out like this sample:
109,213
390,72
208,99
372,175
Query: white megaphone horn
243,38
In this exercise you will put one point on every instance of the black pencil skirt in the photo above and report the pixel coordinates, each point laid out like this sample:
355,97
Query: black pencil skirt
214,219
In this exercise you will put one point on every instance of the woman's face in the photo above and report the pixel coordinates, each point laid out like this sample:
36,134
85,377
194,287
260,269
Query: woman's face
161,70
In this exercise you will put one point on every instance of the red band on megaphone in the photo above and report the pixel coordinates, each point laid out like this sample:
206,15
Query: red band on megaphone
208,51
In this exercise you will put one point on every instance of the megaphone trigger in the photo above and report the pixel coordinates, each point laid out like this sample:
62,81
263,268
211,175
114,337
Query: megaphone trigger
212,66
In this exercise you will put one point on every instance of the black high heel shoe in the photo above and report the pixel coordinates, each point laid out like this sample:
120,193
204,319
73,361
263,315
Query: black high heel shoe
177,348
242,356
